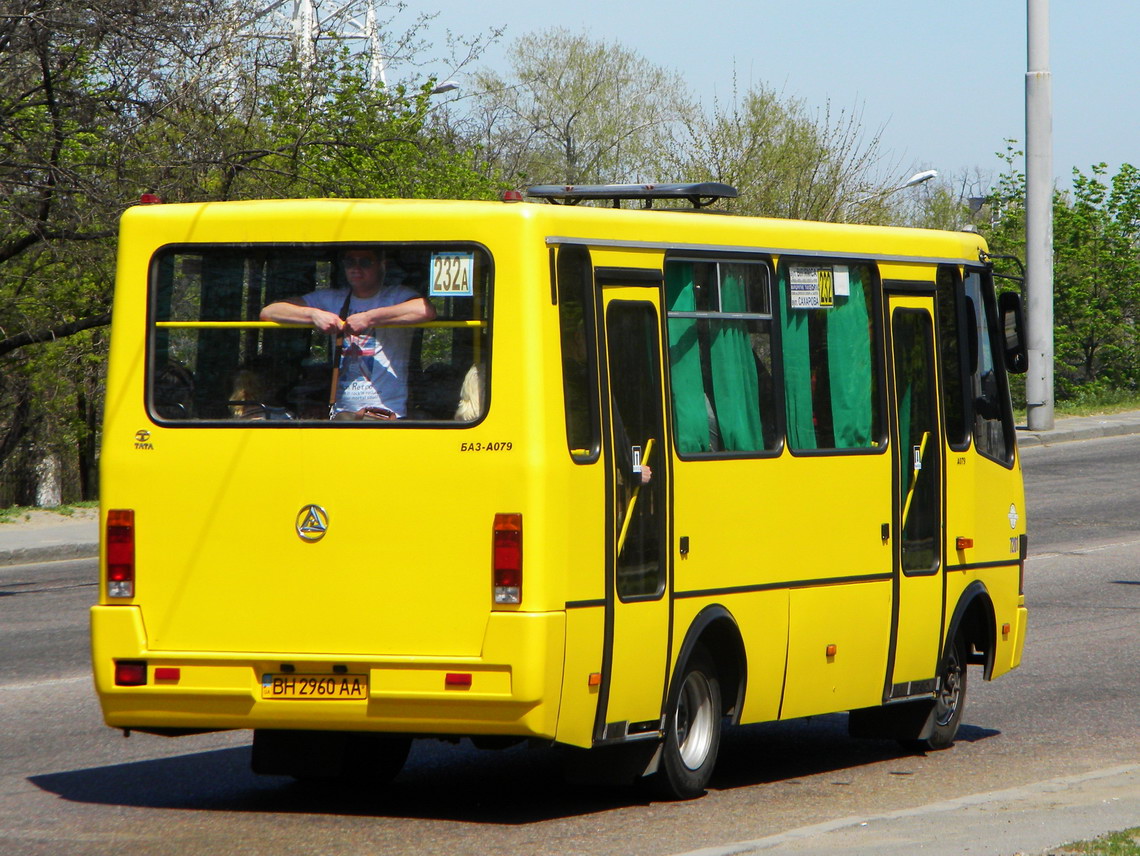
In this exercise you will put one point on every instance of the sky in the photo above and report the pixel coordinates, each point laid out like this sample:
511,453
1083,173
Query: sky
943,81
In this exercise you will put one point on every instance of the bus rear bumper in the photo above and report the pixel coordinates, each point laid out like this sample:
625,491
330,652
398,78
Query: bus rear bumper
513,688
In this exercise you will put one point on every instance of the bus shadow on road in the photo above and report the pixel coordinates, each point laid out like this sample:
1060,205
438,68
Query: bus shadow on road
782,751
461,783
440,782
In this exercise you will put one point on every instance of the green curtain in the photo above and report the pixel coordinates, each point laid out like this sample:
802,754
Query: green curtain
689,413
797,368
849,367
736,385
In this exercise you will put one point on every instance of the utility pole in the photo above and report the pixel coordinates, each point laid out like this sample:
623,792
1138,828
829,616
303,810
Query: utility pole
1039,219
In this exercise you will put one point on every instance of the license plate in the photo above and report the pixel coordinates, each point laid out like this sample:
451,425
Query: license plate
322,687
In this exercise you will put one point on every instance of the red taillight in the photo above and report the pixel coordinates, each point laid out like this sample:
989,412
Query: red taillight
120,541
506,555
130,673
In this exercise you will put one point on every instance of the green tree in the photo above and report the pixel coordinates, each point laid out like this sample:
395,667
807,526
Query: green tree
573,110
1096,272
332,133
1096,238
785,160
101,101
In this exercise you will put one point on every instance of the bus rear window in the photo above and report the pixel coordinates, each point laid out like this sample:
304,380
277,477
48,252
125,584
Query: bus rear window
364,334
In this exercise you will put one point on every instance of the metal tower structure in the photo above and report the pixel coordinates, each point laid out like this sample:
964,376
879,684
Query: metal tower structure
308,21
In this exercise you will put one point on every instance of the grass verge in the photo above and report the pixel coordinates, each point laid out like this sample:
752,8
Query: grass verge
1126,843
1092,405
16,513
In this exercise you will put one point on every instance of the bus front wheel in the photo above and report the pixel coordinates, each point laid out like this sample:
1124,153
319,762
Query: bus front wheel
692,730
950,700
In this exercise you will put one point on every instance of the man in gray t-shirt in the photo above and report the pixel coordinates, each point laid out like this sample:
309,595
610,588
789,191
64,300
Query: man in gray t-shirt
374,361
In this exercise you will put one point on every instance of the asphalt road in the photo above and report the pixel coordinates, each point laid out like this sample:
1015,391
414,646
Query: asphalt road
70,785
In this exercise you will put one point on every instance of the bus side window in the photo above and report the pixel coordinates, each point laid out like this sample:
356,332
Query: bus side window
993,423
831,389
579,370
720,355
956,343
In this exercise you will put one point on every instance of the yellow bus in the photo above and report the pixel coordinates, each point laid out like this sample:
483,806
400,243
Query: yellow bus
646,472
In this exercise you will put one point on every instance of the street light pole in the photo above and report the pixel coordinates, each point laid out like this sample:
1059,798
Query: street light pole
1039,220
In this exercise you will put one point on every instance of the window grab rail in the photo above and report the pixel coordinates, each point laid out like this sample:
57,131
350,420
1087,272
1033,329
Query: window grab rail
258,325
914,478
633,499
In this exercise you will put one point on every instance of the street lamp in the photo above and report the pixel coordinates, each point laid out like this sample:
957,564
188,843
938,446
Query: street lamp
918,178
446,86
915,180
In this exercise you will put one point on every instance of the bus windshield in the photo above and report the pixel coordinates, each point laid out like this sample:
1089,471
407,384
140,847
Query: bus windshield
220,350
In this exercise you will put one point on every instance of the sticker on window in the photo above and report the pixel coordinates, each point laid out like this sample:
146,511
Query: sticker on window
452,275
842,281
812,287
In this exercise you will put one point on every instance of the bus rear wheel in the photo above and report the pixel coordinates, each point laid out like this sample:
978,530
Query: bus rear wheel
692,730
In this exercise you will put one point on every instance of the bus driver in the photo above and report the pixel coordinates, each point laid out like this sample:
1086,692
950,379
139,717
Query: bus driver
373,375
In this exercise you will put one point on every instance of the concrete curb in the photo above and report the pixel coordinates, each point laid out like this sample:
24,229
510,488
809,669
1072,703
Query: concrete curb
48,553
1081,428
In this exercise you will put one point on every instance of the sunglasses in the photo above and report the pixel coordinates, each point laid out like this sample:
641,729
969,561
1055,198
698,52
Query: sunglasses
365,262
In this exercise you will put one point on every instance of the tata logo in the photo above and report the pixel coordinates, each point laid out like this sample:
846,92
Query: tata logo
312,523
142,440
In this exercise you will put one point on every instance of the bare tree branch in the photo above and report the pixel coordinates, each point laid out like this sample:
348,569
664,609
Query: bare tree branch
33,337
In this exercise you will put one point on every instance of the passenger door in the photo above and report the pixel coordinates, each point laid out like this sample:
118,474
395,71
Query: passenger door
918,509
637,573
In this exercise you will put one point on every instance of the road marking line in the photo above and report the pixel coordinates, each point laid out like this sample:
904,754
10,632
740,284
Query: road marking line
35,685
1082,552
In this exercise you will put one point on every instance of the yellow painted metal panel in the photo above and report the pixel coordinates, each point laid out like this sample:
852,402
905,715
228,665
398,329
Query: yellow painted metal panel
584,636
509,692
856,619
762,619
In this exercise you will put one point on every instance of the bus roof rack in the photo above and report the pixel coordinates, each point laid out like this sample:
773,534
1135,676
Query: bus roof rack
700,194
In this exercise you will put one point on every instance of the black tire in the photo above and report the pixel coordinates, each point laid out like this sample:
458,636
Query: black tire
692,729
949,702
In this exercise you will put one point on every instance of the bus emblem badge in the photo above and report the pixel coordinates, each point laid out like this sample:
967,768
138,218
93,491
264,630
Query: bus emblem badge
312,523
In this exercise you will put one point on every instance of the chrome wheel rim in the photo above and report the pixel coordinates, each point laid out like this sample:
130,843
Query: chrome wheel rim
694,721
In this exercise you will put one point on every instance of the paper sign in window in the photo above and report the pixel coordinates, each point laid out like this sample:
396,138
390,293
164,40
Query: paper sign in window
452,275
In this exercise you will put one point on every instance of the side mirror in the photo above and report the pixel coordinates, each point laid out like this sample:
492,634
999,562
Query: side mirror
1013,332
